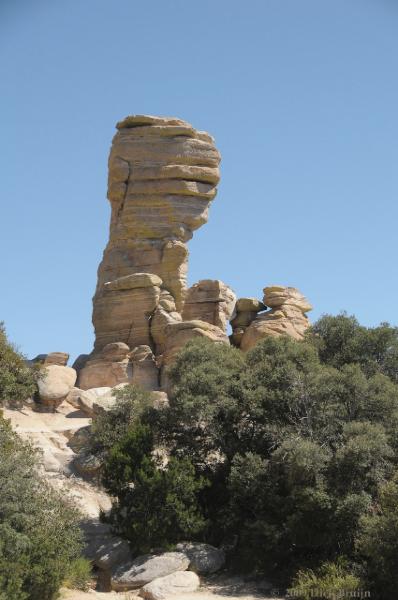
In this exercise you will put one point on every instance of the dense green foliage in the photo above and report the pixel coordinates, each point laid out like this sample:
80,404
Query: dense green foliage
290,450
17,381
342,340
39,534
110,427
156,503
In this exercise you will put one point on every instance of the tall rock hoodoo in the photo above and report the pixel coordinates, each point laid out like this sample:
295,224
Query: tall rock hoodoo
163,175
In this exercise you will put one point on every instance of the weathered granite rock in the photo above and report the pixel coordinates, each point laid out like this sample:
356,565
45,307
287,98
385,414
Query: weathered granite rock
249,305
145,370
210,300
53,358
74,397
246,310
122,311
162,177
165,314
108,368
80,363
178,334
144,569
204,558
286,317
55,385
164,588
107,401
87,398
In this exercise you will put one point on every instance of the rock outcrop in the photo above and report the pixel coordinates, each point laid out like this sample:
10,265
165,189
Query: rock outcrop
246,310
53,358
211,301
286,317
109,367
145,370
163,175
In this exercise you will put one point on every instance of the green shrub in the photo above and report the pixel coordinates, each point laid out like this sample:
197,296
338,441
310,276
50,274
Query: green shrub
79,575
342,340
330,580
377,542
109,427
17,381
156,504
39,533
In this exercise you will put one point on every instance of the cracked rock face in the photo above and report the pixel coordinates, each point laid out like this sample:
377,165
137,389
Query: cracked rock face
286,317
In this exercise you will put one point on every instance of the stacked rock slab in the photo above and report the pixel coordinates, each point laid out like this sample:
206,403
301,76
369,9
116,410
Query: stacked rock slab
211,301
162,177
286,317
246,310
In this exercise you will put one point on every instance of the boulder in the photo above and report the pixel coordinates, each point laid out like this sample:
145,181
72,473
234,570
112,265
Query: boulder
211,301
204,558
106,401
88,397
164,588
144,569
55,385
74,396
249,305
53,358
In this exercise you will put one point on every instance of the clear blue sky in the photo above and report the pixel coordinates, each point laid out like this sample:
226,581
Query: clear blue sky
302,98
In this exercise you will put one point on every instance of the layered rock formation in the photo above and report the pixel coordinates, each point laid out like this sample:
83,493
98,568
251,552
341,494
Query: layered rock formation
286,317
211,301
246,310
162,177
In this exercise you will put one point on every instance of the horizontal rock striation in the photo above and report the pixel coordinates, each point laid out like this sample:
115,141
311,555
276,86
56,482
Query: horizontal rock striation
163,175
211,301
286,317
